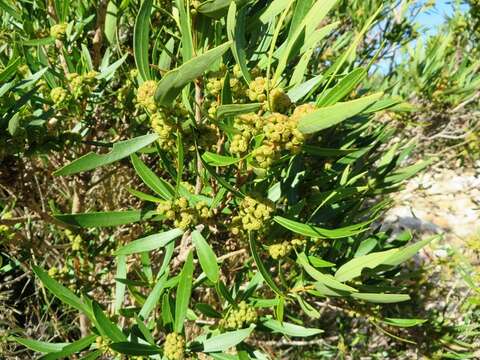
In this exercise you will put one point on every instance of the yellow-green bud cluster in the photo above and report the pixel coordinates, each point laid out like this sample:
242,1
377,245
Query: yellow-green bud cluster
82,85
53,272
257,90
59,96
145,94
249,125
278,251
281,131
76,240
297,242
253,214
239,318
174,347
279,101
180,212
165,129
58,31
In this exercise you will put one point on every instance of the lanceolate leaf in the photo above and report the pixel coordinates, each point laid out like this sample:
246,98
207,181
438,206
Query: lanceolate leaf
236,109
61,292
403,322
120,150
184,291
206,256
129,348
326,117
105,326
141,39
39,346
219,160
226,340
149,243
101,219
354,267
381,298
72,348
153,297
343,88
290,329
408,251
320,233
174,81
235,33
158,185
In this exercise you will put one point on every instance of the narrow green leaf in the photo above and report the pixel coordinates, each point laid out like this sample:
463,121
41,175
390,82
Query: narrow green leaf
343,88
206,256
105,326
354,267
381,298
236,109
10,69
326,117
407,252
261,267
321,233
71,349
290,329
101,219
235,33
61,292
129,348
174,81
39,346
219,160
111,22
153,297
141,33
326,279
119,287
149,243
403,322
158,185
226,340
184,291
120,150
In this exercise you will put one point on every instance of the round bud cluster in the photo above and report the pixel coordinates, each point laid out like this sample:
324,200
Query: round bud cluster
59,96
253,214
264,155
82,85
298,242
248,125
53,272
165,128
278,251
145,94
174,347
182,215
257,90
239,318
76,240
58,31
279,101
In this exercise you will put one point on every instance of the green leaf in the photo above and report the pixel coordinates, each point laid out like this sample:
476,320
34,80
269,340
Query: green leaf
184,291
290,329
129,348
185,29
403,322
321,233
214,8
120,150
381,298
111,22
226,340
141,39
219,160
149,243
105,326
153,297
10,69
142,196
101,219
408,251
407,172
236,109
158,185
354,267
39,346
206,256
261,267
325,279
326,117
71,349
173,81
343,88
236,34
119,287
61,292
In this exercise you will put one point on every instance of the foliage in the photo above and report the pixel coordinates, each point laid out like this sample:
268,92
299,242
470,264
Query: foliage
256,169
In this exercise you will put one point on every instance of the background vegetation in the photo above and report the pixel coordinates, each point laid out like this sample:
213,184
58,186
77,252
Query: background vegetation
207,179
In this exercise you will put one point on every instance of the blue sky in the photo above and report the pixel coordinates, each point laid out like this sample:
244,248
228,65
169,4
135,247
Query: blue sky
436,16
